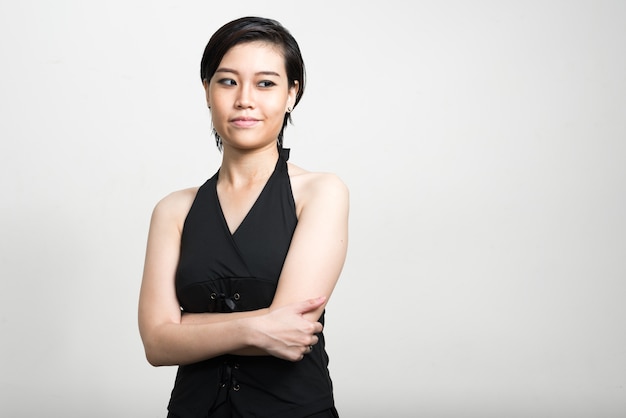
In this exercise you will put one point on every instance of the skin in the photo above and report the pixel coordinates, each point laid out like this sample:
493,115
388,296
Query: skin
250,82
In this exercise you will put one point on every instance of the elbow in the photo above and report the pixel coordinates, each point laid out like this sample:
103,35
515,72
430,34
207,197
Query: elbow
152,357
155,355
154,360
158,359
154,346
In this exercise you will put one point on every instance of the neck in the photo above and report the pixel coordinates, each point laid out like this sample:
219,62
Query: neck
242,167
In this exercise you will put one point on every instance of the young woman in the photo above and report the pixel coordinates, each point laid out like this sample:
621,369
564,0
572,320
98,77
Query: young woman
239,270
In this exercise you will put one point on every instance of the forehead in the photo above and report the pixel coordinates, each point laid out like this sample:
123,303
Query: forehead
255,55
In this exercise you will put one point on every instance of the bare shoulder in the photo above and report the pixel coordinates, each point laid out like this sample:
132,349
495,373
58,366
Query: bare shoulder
174,207
317,188
311,181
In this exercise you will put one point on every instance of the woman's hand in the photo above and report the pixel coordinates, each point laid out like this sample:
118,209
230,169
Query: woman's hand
285,333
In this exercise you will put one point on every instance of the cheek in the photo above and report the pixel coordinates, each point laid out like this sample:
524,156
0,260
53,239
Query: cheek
218,107
217,117
279,106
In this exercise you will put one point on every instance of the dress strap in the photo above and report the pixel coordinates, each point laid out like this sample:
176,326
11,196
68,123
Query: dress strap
284,153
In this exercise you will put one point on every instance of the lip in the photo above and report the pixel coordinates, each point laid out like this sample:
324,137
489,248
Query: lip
244,121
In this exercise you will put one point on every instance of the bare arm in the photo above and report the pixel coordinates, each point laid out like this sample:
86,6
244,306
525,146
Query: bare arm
284,333
319,244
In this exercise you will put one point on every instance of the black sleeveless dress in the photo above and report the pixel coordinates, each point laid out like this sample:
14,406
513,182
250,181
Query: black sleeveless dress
223,272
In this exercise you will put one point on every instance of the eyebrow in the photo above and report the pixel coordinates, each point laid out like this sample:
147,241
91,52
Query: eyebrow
230,70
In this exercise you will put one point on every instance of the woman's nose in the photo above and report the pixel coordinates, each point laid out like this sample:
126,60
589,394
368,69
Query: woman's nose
245,98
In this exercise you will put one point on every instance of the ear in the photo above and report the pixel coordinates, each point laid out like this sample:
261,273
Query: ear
205,84
293,93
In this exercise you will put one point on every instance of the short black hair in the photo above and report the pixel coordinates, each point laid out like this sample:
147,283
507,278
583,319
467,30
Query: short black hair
250,29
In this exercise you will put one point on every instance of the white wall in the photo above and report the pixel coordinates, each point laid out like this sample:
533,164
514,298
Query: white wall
484,144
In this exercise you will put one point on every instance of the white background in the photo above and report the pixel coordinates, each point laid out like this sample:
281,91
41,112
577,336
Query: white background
484,144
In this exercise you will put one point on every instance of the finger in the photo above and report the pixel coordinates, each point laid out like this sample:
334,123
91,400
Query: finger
309,348
310,304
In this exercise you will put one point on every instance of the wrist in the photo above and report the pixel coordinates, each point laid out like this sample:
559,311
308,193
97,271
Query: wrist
251,329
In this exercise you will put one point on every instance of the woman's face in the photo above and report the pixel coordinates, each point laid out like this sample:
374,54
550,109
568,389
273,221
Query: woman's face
249,95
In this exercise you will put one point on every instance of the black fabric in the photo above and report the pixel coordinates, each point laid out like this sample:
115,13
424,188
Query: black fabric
226,413
223,272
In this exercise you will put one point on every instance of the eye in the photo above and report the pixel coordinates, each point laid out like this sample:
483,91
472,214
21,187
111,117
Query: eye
266,83
227,82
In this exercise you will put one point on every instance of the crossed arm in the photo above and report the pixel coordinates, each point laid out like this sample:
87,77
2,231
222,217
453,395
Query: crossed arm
287,328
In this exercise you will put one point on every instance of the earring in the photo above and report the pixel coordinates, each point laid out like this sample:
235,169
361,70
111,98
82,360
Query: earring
289,109
218,139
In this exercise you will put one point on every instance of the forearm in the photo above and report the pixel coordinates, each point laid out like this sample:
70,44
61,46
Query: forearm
214,318
184,343
282,332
